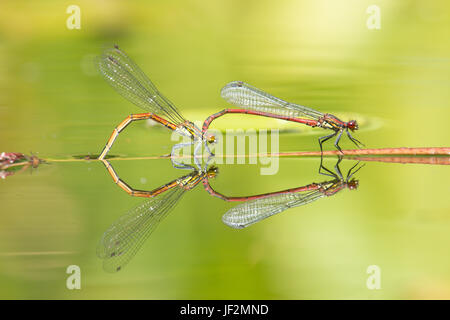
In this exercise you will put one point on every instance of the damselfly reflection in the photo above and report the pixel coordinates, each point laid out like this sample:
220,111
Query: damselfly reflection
125,236
259,207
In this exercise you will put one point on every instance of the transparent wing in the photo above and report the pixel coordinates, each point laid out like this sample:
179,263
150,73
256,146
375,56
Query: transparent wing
243,95
131,82
125,237
250,212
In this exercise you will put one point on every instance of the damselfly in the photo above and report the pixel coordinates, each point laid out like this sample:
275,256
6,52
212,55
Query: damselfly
257,102
124,237
259,207
131,82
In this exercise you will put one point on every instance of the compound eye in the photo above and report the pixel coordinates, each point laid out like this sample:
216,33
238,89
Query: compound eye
353,184
211,138
352,125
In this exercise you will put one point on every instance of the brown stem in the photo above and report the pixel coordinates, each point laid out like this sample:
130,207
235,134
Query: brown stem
433,151
440,160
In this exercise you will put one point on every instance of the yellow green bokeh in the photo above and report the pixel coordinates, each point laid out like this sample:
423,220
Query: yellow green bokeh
394,81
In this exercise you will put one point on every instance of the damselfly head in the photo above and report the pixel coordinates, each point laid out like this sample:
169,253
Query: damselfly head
212,172
352,125
353,184
210,138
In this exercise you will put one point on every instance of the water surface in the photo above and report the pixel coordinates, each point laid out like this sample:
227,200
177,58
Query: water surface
316,53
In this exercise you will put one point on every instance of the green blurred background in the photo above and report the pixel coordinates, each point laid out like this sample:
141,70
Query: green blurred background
394,81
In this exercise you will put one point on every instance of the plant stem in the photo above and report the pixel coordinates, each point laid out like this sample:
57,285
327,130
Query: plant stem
433,151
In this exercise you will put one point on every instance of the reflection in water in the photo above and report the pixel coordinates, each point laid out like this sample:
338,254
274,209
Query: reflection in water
126,235
260,207
438,160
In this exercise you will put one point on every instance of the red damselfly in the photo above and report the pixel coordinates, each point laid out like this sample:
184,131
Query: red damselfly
257,102
131,82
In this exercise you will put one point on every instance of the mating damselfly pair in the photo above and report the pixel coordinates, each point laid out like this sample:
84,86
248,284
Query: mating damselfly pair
131,82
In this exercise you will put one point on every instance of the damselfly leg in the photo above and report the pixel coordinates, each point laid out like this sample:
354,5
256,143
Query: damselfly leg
197,155
133,117
336,143
354,140
352,170
337,174
324,139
